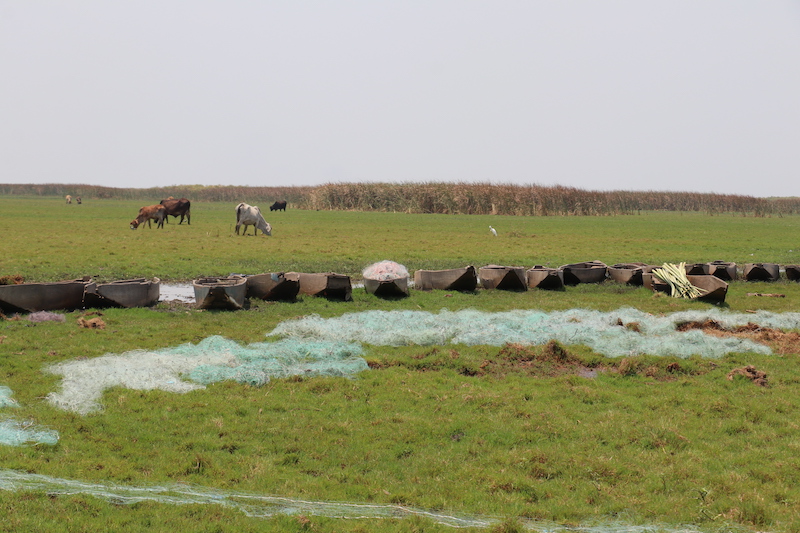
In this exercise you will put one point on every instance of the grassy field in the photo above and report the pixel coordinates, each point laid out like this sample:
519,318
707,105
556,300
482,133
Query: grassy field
510,433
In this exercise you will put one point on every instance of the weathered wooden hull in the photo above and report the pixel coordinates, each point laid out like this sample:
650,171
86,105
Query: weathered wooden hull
761,272
127,293
274,286
697,269
542,277
220,293
714,289
387,288
31,297
327,285
455,279
792,272
628,273
722,269
586,272
505,278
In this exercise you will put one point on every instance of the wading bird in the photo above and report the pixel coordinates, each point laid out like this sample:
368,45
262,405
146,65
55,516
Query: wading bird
494,231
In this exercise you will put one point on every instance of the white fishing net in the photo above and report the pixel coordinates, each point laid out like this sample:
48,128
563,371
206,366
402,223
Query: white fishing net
16,433
607,333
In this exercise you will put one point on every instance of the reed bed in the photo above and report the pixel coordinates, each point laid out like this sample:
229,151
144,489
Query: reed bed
441,198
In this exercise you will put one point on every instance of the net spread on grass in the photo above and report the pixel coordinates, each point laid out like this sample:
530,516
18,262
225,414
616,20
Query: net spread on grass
16,433
258,506
609,333
5,397
192,366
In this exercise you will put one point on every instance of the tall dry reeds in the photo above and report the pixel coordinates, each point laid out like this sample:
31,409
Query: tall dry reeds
439,197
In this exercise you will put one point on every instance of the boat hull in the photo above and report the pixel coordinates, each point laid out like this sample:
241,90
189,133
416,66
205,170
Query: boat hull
326,284
792,272
387,288
586,272
456,279
722,269
227,293
504,278
541,277
714,289
31,297
124,293
273,286
761,272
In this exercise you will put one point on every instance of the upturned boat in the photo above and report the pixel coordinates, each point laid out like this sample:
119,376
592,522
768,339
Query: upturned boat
506,278
585,272
761,272
542,277
273,286
220,293
140,292
326,284
454,279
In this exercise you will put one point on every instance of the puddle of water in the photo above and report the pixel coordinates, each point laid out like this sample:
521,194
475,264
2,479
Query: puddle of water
183,292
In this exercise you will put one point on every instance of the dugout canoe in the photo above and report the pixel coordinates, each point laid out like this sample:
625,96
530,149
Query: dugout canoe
724,270
697,269
127,293
504,278
792,272
628,273
31,297
761,272
326,284
387,288
714,289
454,279
542,277
220,293
273,286
585,272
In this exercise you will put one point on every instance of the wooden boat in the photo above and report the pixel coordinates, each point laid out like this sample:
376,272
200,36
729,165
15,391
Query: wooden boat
714,289
542,277
761,272
722,269
220,293
629,273
327,284
33,297
139,292
387,288
586,272
792,272
505,278
454,279
697,269
273,286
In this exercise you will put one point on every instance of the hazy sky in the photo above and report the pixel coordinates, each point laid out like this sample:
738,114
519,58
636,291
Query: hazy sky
686,95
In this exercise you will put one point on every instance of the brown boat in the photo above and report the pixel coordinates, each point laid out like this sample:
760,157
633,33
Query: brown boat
327,284
697,269
273,286
387,288
220,293
454,279
505,278
761,272
629,273
724,270
792,272
586,272
714,289
52,296
128,293
542,277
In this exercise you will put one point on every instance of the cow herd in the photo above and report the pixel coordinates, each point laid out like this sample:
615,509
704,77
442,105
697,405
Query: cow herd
246,215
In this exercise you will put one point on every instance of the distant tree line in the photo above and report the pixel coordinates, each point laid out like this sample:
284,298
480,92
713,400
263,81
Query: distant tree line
447,198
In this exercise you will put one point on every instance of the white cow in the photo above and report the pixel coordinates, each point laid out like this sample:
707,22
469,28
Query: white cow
250,215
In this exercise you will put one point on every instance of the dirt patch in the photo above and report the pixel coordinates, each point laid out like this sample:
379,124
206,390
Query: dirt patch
749,372
781,342
13,279
92,323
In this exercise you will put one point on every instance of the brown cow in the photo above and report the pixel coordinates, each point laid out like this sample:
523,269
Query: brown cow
178,207
149,213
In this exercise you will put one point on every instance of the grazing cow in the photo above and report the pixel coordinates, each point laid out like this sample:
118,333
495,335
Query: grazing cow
278,206
78,200
69,199
250,215
149,213
178,207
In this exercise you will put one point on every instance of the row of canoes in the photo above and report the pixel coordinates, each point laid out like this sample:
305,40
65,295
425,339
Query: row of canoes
231,292
78,294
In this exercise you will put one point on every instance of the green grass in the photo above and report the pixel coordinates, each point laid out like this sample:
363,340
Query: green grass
507,432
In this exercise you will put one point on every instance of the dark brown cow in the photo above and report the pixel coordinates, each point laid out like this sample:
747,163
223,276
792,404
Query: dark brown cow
278,206
178,207
149,213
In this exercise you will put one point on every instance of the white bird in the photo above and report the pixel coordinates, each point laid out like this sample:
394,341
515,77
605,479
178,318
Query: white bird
494,231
